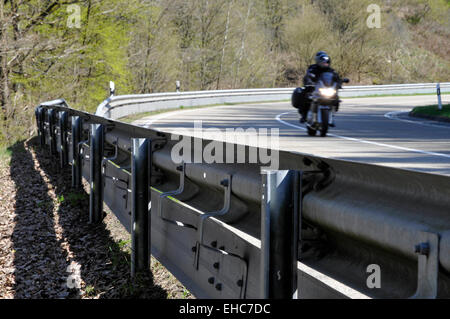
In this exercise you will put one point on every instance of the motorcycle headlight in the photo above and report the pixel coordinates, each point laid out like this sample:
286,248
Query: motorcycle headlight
328,92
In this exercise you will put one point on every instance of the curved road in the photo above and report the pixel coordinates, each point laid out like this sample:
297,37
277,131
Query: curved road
370,130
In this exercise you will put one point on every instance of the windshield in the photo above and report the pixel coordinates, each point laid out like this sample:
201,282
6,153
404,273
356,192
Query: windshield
327,79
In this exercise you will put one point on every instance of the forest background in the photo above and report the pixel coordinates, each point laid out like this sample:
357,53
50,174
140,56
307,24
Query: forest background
71,49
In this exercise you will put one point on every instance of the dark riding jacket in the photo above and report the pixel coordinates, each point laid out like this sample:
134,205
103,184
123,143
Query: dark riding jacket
313,74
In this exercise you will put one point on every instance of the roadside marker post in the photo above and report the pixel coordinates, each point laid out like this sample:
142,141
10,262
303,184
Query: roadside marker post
438,87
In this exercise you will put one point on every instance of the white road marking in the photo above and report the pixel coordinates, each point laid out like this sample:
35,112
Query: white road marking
393,116
278,118
155,118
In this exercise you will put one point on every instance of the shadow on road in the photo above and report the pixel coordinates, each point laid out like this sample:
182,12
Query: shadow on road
57,254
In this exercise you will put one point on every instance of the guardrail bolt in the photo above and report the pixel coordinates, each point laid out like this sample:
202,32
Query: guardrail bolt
307,161
211,280
214,244
422,249
216,265
179,168
219,287
240,283
194,249
224,183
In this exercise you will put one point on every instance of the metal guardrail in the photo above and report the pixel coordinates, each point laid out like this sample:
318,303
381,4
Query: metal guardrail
123,105
230,231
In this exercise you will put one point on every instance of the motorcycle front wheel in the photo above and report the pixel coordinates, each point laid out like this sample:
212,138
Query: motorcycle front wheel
324,124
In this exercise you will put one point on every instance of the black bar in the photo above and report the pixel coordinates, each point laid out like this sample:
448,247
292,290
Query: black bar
40,124
140,218
52,133
279,234
296,227
76,160
63,155
96,181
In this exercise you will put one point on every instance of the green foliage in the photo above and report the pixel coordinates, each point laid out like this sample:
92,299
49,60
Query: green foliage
186,293
90,290
433,110
304,37
76,198
117,255
7,151
60,199
5,154
123,243
144,46
414,19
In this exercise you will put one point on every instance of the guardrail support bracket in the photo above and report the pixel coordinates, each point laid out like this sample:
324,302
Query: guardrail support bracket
226,184
428,268
182,169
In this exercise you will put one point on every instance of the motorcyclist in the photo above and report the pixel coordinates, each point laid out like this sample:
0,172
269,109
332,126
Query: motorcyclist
313,73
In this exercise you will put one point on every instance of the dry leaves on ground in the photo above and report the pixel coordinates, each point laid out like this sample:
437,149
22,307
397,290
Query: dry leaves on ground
47,247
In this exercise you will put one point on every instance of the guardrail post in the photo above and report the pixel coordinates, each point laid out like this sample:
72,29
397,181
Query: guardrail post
63,155
96,157
76,160
141,218
40,124
279,233
36,115
52,133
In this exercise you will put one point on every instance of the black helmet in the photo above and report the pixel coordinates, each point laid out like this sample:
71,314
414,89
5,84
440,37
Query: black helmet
322,59
320,53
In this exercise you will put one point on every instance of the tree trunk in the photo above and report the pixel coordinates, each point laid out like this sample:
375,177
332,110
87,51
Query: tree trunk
4,85
224,44
241,51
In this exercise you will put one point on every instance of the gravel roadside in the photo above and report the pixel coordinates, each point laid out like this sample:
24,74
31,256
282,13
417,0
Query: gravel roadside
47,247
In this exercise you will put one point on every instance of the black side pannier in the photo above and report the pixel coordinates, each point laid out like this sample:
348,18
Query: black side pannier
298,98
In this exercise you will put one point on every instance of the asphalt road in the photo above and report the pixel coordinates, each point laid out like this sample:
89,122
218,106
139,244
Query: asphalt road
369,130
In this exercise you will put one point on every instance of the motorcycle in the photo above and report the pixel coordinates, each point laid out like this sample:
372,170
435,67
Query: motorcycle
324,103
